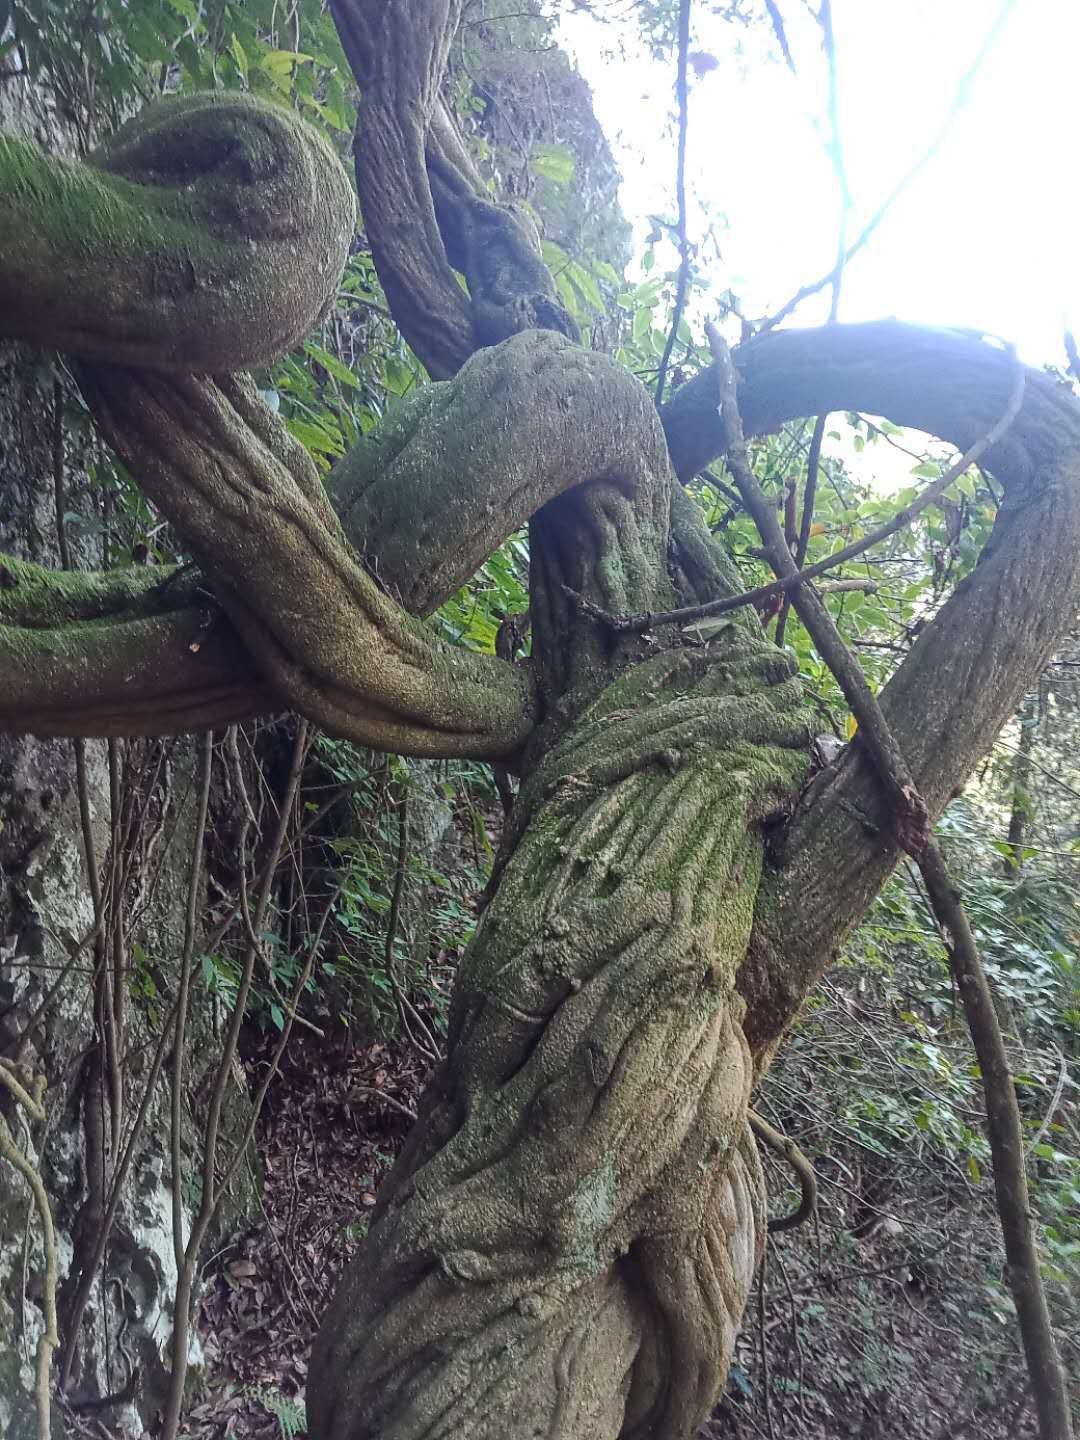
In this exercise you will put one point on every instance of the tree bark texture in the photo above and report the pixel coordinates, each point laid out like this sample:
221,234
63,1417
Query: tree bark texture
207,234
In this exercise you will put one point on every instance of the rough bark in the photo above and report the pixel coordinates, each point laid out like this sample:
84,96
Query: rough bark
566,1246
248,499
414,177
969,667
567,1243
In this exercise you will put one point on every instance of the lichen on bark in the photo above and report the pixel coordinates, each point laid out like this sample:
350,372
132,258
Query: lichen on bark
572,1230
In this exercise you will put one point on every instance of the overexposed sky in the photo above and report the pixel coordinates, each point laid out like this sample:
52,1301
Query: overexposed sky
987,237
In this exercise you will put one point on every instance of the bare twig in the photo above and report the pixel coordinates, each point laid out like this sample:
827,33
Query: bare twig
183,989
366,1090
836,154
796,1332
30,1101
89,1270
1007,1149
211,1190
790,1153
776,20
1055,1101
682,94
809,499
18,1045
766,1395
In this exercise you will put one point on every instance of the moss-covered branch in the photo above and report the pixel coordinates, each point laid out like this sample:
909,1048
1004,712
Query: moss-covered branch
207,235
968,668
328,639
142,651
423,501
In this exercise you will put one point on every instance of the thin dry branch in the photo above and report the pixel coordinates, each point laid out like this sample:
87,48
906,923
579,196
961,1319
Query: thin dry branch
836,154
963,90
211,1189
183,989
49,1339
682,94
1007,1149
790,1153
776,20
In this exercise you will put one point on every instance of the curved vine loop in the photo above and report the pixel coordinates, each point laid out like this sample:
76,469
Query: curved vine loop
207,235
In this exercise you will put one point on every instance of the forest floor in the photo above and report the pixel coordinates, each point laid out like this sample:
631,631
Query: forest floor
860,1341
330,1129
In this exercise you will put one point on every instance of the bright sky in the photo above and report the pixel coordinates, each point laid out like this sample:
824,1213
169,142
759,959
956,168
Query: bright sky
988,236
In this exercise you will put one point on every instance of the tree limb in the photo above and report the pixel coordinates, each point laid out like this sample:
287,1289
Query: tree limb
248,499
796,576
683,97
913,834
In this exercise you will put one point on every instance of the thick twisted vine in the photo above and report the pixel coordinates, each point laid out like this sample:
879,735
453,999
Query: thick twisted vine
581,1192
433,216
249,501
472,458
580,1203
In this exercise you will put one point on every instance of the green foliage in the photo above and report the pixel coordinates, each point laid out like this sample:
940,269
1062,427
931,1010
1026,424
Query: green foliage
106,59
290,1414
436,916
498,590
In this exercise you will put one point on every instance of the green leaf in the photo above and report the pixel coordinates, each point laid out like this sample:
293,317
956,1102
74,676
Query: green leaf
332,365
188,9
240,56
554,256
586,284
642,326
315,437
553,162
973,1169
